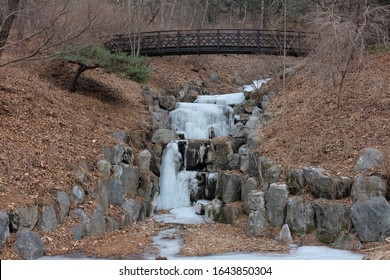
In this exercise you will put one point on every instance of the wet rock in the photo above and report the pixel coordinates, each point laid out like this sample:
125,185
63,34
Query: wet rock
300,216
144,159
24,218
371,219
285,235
167,102
104,168
229,187
130,179
231,212
347,241
28,245
64,204
257,224
331,217
368,187
247,188
4,227
163,136
48,221
370,159
213,211
115,192
295,180
78,194
276,201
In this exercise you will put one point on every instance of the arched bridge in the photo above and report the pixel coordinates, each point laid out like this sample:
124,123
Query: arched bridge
211,41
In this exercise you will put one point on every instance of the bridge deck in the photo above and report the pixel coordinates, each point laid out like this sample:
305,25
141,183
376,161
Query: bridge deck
210,41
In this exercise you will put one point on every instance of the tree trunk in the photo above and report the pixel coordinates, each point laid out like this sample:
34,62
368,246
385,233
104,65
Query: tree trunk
79,71
7,23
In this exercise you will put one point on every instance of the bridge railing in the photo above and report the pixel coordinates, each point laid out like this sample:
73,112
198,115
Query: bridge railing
213,41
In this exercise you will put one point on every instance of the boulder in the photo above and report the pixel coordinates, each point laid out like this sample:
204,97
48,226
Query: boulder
257,224
295,180
97,223
238,130
131,210
144,158
276,201
130,179
118,154
300,216
122,136
367,187
249,161
24,218
256,112
249,105
213,211
78,232
267,98
347,241
82,216
331,217
160,119
115,192
48,221
229,187
78,194
370,159
234,162
167,102
284,235
256,202
4,227
371,219
104,168
163,136
323,186
28,245
64,204
231,212
247,188
200,207
117,171
272,174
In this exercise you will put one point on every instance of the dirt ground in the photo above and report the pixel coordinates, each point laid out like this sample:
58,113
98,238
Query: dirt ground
47,133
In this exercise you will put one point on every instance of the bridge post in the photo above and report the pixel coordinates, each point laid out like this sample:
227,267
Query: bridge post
159,43
198,41
218,41
238,40
178,42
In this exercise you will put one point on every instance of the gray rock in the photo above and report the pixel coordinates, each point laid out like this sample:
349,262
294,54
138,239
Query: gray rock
117,172
234,162
64,203
295,180
256,112
323,186
122,136
368,187
248,161
112,224
371,219
231,212
300,216
256,202
285,235
347,241
117,154
144,159
24,218
160,119
253,125
104,168
130,179
82,216
229,187
167,102
163,136
78,232
213,211
369,160
238,130
247,188
4,227
48,221
131,211
100,194
115,192
249,105
28,245
272,174
267,98
257,224
78,194
276,201
97,223
332,218
80,174
200,208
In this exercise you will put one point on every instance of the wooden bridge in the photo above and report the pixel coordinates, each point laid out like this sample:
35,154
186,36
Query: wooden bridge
211,41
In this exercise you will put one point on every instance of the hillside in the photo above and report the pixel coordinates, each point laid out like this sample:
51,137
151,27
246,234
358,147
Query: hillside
48,133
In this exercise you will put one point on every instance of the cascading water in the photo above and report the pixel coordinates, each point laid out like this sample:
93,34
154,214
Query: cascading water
208,117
